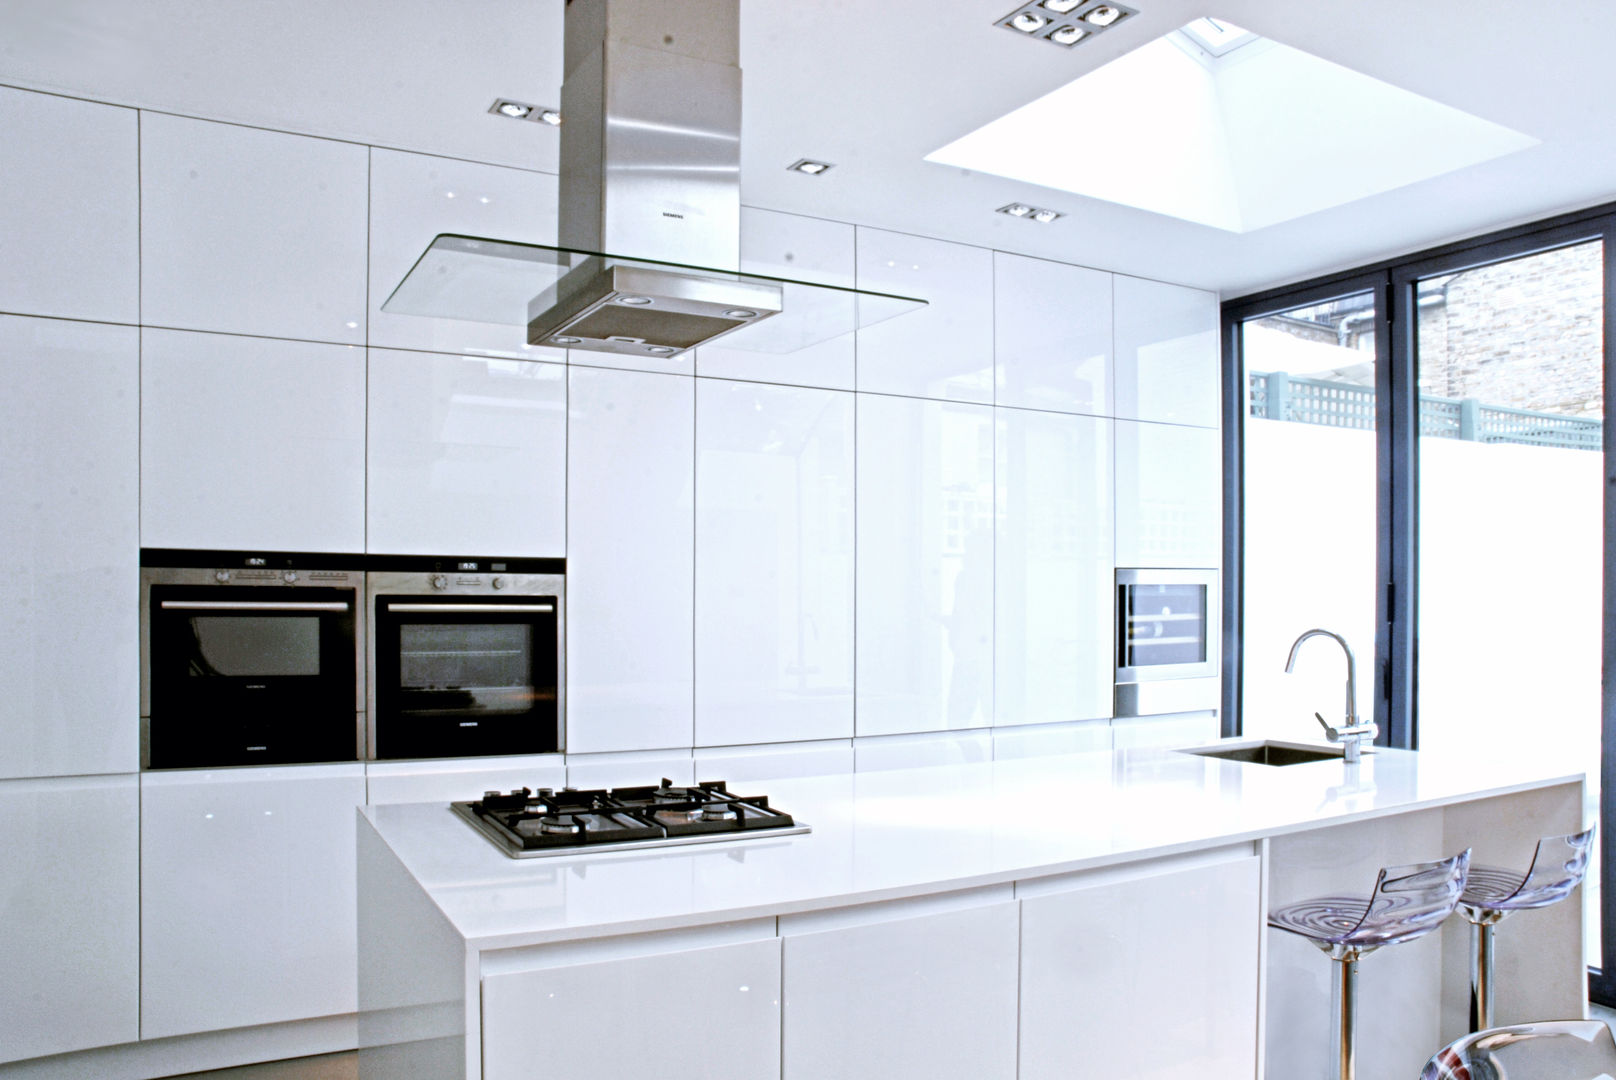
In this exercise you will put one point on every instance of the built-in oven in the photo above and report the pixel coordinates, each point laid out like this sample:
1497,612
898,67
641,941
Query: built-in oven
250,658
1167,641
466,656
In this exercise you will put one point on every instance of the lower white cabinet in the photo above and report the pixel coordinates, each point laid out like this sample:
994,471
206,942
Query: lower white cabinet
69,893
677,1006
911,988
247,896
1142,972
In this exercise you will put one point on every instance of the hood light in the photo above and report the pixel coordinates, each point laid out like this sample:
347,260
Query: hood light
565,340
636,301
660,350
1036,19
522,110
741,313
810,166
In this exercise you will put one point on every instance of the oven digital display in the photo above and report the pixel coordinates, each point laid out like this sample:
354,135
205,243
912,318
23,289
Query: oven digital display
254,645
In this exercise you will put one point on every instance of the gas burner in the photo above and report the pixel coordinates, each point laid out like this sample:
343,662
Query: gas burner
718,812
555,825
677,794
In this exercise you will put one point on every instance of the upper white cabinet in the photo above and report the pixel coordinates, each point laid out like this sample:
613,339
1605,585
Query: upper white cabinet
925,565
247,896
71,212
251,232
630,543
413,198
466,455
1169,495
70,900
251,443
1051,335
1053,624
944,350
774,563
69,449
802,249
1168,361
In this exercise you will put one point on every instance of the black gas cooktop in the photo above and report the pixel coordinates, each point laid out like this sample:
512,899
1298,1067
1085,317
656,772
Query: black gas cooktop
526,823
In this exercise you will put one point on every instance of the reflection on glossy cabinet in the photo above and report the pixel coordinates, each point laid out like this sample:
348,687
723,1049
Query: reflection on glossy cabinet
1168,362
466,455
70,895
69,627
774,563
1137,973
1169,495
247,231
944,350
1168,730
609,1011
630,544
913,988
1053,624
247,896
251,443
925,565
71,212
1051,335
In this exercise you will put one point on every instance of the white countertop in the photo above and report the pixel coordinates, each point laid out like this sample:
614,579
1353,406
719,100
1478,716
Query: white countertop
888,835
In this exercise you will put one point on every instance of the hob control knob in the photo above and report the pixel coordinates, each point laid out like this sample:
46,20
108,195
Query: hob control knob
289,577
499,583
221,576
439,581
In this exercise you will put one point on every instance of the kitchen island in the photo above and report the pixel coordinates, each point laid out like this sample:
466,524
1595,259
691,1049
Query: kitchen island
1086,915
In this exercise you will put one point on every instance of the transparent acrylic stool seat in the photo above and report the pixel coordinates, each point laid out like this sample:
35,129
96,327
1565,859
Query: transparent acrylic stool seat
1408,902
1551,1050
1558,866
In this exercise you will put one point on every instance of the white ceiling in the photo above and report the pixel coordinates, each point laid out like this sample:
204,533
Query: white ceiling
874,86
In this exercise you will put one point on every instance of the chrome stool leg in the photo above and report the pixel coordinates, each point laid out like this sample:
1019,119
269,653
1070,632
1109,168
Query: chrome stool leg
1481,975
1344,1016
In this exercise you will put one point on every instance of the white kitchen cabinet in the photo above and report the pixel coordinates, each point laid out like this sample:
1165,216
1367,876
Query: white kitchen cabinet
1051,335
912,988
466,455
925,565
1053,620
1168,362
69,897
452,779
251,443
630,768
774,563
630,546
1143,971
1039,740
682,1006
801,249
71,212
69,628
944,350
413,198
247,231
1168,730
882,752
1169,495
777,761
247,896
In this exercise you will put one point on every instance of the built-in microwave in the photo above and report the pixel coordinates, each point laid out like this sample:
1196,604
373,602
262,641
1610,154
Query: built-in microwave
250,658
466,656
1167,641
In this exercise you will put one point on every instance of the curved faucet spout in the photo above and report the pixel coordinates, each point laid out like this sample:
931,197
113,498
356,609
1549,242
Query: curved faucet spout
1352,727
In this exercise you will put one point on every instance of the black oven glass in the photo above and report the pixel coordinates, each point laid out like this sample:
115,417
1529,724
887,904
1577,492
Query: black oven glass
231,645
1162,625
450,668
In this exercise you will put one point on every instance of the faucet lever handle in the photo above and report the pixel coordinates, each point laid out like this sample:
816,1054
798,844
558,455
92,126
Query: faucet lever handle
1329,732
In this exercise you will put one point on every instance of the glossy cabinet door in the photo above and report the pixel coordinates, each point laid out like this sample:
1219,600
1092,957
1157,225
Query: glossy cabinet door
774,563
881,752
247,896
1053,624
630,548
1169,730
912,988
71,212
1142,972
1169,495
944,350
450,779
1051,335
413,198
1168,361
70,896
466,455
620,1009
69,447
251,443
925,565
246,231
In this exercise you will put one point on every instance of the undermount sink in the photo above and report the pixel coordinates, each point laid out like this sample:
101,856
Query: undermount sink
1267,753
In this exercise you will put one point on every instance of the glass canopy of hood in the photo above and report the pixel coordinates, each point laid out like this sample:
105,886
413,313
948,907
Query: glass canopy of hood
497,281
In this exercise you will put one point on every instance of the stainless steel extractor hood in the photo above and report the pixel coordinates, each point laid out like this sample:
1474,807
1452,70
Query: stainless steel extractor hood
650,168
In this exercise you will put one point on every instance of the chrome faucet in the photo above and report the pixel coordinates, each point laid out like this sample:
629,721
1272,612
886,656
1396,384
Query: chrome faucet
1350,734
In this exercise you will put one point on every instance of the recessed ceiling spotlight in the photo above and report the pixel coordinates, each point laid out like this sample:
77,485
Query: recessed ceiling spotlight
1028,22
1068,35
549,116
1104,15
1016,209
522,110
1044,217
1036,19
513,109
1061,7
1036,213
809,166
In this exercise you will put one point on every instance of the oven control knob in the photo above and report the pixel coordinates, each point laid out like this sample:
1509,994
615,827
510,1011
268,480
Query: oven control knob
289,577
499,583
439,581
221,576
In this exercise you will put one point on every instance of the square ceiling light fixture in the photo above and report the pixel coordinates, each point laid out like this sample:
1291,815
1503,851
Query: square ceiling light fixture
1064,22
521,110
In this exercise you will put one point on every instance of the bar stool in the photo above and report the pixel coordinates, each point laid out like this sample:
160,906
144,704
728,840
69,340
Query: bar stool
1491,892
1408,902
1550,1050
